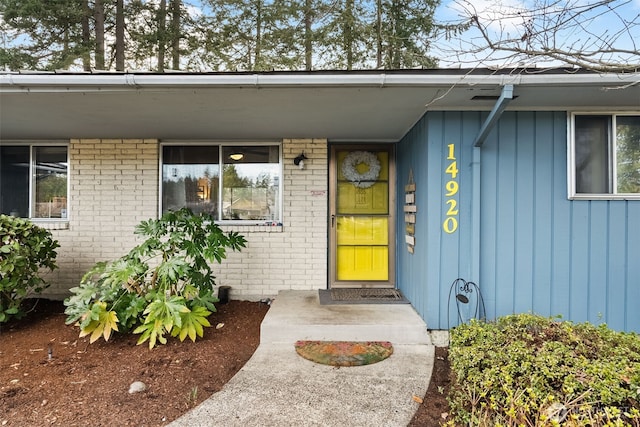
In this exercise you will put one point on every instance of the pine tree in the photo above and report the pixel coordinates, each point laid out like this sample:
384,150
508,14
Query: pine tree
53,28
228,35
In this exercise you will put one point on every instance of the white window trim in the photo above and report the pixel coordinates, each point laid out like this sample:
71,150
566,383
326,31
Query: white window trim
47,143
571,161
221,145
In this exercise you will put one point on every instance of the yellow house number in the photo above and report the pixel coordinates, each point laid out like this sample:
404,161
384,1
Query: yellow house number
450,223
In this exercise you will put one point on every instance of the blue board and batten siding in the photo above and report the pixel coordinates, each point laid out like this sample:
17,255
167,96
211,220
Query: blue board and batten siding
528,247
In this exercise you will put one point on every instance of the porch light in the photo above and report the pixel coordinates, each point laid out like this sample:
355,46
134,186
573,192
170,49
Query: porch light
236,156
299,161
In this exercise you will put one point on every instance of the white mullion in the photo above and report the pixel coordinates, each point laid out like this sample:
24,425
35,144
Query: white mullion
571,156
68,204
220,179
281,183
160,178
613,144
32,191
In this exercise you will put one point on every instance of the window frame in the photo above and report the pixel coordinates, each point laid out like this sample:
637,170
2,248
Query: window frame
221,145
611,152
32,163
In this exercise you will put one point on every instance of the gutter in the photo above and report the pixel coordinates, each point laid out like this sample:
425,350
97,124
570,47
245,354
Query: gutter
128,81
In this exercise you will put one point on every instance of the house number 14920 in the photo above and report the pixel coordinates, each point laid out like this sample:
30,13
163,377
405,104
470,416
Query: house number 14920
450,223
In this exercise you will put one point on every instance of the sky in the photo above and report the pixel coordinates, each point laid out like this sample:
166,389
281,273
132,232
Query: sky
601,23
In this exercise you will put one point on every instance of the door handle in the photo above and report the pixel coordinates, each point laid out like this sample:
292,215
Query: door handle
333,221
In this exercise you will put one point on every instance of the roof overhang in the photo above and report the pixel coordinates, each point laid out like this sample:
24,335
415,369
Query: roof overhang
340,106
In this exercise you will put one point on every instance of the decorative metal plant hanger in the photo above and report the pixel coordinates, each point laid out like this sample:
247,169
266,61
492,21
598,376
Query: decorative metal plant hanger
468,300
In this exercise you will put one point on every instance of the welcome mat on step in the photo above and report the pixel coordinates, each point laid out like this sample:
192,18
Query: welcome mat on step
344,353
361,296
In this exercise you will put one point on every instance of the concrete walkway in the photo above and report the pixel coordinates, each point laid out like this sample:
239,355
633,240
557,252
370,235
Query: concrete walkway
277,387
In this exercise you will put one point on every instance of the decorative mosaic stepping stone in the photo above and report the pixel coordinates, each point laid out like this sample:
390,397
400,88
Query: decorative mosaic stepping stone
344,353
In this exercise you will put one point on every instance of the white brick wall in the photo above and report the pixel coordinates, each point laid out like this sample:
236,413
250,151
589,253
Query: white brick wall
293,256
115,185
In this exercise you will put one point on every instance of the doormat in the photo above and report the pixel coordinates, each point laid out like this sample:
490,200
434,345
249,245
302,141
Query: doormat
344,353
361,296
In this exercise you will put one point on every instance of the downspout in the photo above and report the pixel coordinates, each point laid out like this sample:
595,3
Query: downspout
475,216
496,112
505,98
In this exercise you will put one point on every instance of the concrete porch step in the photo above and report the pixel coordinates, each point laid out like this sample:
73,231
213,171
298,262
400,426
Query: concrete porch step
298,315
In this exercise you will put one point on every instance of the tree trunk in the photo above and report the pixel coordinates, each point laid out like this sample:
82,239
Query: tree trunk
258,51
65,48
119,35
98,16
348,33
175,33
393,42
161,35
308,35
86,36
378,33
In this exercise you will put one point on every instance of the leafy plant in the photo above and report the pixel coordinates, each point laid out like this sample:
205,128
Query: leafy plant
163,286
531,370
24,249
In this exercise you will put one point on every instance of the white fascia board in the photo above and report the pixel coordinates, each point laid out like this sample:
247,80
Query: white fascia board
561,79
105,82
214,80
613,80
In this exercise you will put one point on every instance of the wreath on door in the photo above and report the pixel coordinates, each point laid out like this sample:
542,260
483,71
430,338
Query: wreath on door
350,171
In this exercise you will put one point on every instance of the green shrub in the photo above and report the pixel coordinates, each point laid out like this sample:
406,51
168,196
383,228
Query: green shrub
24,249
531,370
165,285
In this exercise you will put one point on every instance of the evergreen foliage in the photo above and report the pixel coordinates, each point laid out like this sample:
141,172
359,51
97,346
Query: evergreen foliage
25,249
216,35
531,370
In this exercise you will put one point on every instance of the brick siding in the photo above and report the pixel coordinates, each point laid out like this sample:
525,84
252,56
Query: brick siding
114,184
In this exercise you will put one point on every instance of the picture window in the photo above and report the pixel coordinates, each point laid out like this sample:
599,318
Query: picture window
230,182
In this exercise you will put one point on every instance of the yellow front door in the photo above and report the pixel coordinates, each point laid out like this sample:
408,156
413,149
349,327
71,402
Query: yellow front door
362,221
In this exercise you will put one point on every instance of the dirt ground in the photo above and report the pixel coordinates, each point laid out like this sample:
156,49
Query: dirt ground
49,376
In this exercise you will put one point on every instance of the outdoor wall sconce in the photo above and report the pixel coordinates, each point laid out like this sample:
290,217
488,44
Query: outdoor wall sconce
299,161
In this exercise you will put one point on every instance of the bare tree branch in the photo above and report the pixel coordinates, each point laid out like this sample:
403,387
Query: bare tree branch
601,36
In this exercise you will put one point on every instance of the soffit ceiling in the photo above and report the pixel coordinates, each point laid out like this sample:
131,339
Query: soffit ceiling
292,108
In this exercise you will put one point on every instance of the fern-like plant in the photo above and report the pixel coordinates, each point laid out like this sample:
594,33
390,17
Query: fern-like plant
163,286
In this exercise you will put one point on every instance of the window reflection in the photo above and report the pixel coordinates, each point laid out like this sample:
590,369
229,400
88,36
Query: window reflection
591,153
50,182
628,153
190,178
14,181
607,154
33,181
250,185
250,181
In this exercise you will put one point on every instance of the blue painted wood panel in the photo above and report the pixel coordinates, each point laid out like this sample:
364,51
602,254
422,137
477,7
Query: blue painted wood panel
537,251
